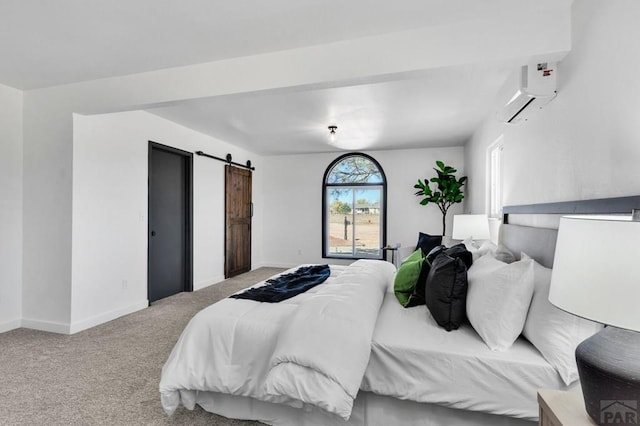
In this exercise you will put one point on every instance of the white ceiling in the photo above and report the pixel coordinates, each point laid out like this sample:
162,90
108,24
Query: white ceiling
47,43
441,108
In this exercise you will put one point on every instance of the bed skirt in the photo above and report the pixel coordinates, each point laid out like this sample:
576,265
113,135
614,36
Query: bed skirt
369,410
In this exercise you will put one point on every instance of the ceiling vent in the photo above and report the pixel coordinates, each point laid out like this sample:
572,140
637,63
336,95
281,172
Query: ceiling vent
529,90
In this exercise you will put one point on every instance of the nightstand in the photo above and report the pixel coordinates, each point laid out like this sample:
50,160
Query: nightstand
558,408
393,251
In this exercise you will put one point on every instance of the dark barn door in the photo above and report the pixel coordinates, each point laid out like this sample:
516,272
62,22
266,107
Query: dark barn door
238,212
169,269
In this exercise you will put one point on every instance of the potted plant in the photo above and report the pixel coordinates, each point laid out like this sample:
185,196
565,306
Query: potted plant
448,190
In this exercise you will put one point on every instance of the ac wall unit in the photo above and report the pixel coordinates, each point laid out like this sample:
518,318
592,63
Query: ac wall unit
530,89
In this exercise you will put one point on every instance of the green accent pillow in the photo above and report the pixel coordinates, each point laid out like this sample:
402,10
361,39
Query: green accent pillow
407,277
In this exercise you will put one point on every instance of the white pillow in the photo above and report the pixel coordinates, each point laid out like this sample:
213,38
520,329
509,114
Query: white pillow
553,332
498,299
477,251
485,263
470,244
504,254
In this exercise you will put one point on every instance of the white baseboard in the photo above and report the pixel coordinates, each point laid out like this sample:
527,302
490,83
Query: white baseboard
275,265
107,316
50,326
206,283
10,325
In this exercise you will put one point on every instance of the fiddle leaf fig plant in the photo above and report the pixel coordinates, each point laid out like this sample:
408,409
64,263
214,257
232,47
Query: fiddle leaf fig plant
447,191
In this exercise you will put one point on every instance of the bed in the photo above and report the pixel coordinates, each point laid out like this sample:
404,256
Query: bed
347,353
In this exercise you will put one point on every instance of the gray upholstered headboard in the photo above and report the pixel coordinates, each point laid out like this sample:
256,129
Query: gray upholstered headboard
540,243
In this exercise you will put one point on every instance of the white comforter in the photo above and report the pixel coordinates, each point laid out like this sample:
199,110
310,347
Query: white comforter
289,352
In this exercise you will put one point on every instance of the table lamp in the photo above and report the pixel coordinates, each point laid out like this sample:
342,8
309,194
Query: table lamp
596,275
473,226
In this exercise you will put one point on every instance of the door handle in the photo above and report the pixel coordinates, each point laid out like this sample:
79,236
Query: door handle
153,233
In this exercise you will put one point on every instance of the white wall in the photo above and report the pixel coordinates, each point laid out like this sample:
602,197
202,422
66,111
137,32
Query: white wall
110,195
585,143
46,272
10,208
48,141
293,201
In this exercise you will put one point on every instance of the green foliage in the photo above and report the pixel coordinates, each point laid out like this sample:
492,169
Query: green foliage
344,208
448,190
340,207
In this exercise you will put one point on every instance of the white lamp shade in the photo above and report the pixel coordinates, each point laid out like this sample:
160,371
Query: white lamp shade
475,226
596,270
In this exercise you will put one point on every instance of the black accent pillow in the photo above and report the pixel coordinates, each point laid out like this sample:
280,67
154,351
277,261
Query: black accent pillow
417,297
446,291
460,250
428,242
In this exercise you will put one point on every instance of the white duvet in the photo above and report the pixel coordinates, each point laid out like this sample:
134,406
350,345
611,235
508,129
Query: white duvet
290,352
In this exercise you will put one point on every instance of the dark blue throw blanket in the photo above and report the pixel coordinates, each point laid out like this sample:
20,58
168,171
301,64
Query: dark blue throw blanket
286,286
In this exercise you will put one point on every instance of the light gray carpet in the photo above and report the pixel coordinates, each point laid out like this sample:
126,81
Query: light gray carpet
107,375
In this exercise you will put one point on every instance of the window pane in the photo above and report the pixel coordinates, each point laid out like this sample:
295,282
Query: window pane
355,169
340,222
495,180
367,222
354,208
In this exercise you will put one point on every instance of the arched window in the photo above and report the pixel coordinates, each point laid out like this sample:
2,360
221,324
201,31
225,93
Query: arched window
354,209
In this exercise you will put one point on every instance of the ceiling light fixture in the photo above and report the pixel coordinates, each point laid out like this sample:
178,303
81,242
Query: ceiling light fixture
332,133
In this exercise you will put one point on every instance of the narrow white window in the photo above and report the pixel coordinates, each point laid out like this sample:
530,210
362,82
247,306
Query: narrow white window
495,178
